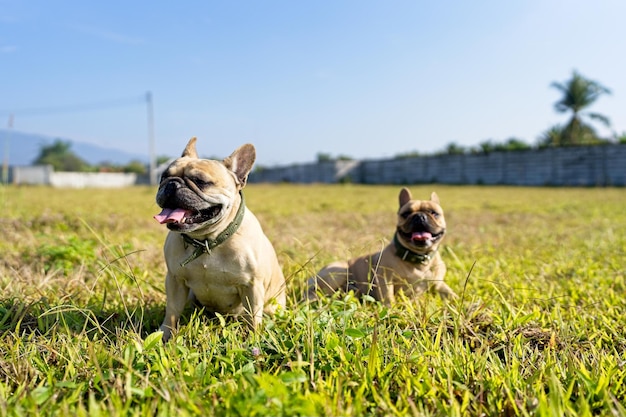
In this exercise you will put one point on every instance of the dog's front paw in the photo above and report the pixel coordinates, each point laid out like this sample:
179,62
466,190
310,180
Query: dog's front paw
445,292
167,332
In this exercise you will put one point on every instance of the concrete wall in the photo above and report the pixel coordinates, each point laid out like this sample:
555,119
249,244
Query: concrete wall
567,166
92,179
45,175
30,175
324,172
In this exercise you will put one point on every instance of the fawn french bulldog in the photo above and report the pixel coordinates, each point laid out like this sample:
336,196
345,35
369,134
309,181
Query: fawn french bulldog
410,263
216,251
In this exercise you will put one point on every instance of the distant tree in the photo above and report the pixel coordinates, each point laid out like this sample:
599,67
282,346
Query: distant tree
136,167
551,137
485,147
453,148
512,144
578,94
162,159
107,166
324,157
407,155
59,155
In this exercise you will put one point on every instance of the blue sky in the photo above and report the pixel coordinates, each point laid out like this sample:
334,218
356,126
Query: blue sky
366,79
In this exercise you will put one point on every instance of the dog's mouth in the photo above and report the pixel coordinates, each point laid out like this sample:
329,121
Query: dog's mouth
421,237
180,218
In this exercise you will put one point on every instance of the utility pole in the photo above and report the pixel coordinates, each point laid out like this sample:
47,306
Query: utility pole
151,138
7,143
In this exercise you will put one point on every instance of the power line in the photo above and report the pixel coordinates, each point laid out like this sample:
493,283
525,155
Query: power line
74,108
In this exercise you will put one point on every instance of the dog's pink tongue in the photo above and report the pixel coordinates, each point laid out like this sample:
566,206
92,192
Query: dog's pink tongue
168,215
421,236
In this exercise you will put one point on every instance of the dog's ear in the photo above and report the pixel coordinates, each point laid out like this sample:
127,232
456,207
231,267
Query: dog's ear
405,196
241,161
190,149
434,197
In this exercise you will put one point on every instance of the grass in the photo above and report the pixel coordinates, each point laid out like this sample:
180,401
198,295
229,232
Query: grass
539,329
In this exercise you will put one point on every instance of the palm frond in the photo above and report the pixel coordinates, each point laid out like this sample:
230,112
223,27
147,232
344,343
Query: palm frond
579,93
600,118
559,86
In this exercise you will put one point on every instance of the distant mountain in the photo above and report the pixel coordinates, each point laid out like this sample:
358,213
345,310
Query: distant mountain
24,148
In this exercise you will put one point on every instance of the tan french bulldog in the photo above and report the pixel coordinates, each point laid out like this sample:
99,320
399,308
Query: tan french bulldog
216,252
411,263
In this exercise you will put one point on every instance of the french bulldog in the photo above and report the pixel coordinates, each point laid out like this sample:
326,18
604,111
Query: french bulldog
410,263
216,251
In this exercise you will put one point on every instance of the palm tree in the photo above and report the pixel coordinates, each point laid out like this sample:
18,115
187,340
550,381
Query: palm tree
578,94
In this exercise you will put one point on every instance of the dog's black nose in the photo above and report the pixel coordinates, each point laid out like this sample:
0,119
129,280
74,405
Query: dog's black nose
419,219
168,190
172,186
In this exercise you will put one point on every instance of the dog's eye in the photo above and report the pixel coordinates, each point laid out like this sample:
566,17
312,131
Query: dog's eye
201,183
405,214
435,214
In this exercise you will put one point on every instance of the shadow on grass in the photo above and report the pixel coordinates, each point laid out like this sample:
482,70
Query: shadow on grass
41,318
474,326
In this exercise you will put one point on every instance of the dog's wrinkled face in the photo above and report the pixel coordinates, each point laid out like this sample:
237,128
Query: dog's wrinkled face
198,193
421,223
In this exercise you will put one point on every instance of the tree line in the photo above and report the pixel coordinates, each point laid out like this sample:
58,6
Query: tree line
577,95
62,158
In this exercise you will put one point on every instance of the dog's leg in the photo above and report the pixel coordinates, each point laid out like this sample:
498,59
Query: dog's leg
275,300
381,286
439,272
330,279
252,298
444,290
177,296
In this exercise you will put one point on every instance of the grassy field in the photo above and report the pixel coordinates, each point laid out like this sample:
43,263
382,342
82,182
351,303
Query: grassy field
539,328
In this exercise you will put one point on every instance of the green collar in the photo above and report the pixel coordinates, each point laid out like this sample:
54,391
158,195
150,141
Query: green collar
408,255
205,245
